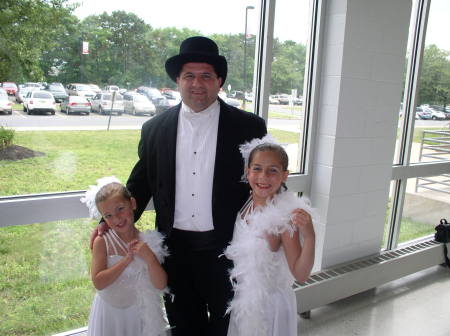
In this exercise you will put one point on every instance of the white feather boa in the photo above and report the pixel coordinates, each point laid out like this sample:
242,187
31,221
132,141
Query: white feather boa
258,271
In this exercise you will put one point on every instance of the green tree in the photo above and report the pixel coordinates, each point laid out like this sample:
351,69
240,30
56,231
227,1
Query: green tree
288,67
27,29
435,77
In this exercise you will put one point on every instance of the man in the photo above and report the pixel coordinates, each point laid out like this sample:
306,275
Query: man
190,164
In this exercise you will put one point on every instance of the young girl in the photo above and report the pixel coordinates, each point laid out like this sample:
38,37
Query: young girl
266,248
126,267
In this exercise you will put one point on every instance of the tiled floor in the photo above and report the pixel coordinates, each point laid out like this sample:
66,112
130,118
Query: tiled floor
418,304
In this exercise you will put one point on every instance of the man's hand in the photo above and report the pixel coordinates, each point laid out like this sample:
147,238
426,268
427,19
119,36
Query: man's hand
101,228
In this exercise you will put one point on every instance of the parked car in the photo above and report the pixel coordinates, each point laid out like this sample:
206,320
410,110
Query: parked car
5,103
236,95
173,97
154,95
136,103
230,101
22,92
421,114
445,110
95,88
273,100
58,91
103,104
435,115
282,98
83,90
10,88
111,88
39,101
297,101
75,104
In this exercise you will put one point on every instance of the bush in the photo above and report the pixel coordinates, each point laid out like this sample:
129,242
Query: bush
6,137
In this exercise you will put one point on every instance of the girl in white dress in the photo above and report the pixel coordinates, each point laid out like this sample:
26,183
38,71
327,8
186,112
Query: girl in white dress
266,249
126,267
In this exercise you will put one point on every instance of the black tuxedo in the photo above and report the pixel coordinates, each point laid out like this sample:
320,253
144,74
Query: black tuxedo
154,177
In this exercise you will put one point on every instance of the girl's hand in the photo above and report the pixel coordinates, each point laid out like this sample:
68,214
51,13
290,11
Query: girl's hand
141,249
302,220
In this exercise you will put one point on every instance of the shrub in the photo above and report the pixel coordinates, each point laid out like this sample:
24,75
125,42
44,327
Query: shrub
6,137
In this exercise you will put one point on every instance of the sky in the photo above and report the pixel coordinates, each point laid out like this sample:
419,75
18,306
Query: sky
228,16
207,16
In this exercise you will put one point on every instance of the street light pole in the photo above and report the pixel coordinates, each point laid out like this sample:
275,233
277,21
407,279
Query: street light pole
245,52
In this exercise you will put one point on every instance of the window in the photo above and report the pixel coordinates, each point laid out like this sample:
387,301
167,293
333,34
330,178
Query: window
421,160
61,156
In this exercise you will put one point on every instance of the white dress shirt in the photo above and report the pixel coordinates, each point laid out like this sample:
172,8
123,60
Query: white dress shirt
195,158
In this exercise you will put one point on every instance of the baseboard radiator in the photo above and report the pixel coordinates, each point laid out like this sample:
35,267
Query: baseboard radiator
345,280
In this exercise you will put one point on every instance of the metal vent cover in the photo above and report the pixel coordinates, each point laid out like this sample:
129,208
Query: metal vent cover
364,263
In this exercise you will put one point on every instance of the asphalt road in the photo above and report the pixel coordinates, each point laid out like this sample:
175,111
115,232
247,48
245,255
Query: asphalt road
19,120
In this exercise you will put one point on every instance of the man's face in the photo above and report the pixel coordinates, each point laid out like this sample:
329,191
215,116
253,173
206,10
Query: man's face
198,85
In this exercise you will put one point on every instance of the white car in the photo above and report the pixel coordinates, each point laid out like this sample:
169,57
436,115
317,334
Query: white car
5,103
135,103
82,90
39,101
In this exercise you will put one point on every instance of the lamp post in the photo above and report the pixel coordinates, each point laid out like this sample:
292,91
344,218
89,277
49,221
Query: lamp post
245,52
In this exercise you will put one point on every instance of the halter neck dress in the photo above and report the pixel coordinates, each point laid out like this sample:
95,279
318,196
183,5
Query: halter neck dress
130,306
264,302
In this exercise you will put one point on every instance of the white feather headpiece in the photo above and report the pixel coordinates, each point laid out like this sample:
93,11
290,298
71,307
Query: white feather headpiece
246,149
89,196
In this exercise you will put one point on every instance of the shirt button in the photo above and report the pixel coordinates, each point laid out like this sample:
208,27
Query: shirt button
193,173
193,216
195,152
193,194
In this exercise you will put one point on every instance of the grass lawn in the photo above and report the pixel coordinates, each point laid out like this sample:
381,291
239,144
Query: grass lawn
75,159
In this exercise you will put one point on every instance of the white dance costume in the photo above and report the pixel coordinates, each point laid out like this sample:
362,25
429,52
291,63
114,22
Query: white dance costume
130,306
264,302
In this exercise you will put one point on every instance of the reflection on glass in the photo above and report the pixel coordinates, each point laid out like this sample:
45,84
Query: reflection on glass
44,277
286,114
45,284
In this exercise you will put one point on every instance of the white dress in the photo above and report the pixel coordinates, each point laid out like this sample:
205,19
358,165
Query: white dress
264,302
130,306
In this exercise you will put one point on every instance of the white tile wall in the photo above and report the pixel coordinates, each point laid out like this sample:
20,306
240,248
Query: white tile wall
360,92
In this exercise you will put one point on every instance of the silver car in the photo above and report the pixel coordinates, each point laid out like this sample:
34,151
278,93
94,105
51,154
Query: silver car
76,104
102,103
135,103
5,103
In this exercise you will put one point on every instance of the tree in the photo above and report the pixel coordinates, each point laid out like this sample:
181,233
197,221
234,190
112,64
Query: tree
27,29
288,66
435,77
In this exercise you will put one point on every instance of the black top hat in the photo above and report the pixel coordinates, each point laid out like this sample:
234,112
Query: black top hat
197,49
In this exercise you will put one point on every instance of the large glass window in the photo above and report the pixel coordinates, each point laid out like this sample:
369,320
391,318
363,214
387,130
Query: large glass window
423,136
83,49
286,100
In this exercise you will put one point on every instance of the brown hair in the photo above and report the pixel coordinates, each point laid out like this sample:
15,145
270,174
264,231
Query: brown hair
270,147
112,189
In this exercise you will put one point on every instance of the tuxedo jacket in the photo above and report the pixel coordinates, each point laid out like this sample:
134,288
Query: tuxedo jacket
153,176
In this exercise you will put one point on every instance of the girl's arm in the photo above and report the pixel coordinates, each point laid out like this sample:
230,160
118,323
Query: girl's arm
300,258
102,276
157,275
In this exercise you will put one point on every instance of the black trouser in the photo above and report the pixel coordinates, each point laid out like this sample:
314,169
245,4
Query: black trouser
199,280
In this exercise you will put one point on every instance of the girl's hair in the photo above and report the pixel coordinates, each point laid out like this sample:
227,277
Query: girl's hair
270,147
112,189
